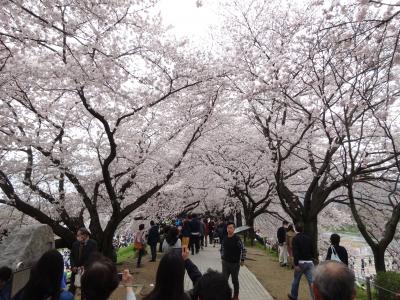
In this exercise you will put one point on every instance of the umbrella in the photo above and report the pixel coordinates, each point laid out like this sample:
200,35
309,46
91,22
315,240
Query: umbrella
242,228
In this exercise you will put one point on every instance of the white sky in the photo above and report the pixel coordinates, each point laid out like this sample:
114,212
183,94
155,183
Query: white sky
190,20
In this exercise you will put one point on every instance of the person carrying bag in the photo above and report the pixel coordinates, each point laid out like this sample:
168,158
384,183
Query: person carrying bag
337,252
139,244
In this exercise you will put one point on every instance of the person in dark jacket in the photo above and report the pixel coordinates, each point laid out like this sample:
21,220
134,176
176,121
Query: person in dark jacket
211,228
152,240
281,235
303,259
337,250
81,251
5,283
233,255
212,285
195,233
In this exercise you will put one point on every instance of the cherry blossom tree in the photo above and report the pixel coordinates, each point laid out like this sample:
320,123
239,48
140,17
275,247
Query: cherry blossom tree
241,168
98,110
368,33
305,86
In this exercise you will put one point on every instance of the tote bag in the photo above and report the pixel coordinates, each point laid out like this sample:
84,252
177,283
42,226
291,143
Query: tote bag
334,255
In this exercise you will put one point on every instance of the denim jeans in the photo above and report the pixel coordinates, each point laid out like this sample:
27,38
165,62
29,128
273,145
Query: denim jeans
306,269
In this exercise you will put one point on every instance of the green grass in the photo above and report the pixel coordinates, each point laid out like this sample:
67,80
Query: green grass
125,253
272,253
362,293
349,229
257,245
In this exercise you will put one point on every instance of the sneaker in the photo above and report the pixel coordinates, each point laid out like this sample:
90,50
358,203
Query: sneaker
290,297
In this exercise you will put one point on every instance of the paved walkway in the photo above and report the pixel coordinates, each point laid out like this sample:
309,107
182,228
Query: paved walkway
250,287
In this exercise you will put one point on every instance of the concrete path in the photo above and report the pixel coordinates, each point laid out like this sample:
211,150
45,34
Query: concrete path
250,287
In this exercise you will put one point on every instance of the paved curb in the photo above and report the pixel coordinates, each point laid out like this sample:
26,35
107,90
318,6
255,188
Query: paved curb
250,287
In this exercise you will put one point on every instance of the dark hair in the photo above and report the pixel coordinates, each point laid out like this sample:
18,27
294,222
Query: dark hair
335,239
100,279
152,223
299,227
285,222
212,286
141,226
169,279
334,280
45,278
194,216
166,229
172,236
230,223
290,228
5,274
84,231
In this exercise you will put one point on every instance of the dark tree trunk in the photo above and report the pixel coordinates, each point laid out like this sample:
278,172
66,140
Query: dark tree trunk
106,243
239,221
379,259
311,229
252,234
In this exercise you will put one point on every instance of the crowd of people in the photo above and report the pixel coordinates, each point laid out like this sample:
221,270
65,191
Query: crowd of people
194,234
97,277
331,279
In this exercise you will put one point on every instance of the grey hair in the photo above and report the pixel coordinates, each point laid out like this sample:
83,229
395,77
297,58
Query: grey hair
334,281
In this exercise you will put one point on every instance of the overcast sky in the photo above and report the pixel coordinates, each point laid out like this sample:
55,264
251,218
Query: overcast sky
190,19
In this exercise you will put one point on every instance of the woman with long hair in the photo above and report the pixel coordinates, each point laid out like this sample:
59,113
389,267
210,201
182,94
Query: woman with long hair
172,240
45,279
169,279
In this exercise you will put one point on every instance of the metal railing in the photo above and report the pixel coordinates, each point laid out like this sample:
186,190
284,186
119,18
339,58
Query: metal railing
375,291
